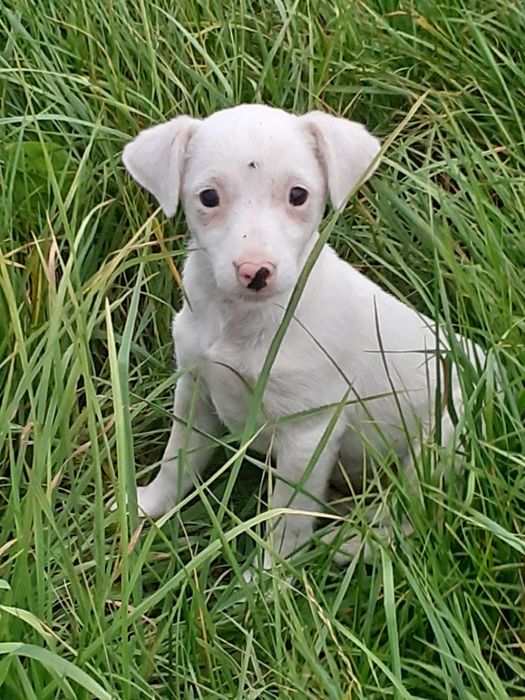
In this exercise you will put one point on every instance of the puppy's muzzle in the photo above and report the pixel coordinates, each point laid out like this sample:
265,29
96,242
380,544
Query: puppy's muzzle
255,275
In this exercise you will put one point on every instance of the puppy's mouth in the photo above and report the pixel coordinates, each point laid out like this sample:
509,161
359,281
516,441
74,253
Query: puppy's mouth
257,296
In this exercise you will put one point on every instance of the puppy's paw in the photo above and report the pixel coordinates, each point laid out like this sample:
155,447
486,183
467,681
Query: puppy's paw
348,549
152,502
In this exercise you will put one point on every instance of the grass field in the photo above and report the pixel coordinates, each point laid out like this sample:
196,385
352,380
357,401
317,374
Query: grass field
94,604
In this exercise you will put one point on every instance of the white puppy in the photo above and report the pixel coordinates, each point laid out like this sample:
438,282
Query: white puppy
253,182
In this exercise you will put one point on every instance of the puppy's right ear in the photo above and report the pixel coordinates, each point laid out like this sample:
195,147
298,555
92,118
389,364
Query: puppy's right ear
156,157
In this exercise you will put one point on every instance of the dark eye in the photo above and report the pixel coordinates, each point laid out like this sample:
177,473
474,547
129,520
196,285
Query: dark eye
210,198
298,196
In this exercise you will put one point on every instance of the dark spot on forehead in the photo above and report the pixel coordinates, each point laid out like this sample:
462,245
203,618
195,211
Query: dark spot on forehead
253,164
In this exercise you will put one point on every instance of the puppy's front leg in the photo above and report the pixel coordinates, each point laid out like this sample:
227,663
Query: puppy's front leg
176,476
300,485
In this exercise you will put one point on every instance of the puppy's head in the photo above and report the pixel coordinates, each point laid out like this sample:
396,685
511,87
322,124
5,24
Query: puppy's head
253,182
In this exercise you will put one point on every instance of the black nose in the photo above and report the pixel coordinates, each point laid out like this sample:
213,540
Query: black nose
259,279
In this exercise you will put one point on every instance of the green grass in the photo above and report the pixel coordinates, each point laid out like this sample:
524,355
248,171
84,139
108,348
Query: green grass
94,604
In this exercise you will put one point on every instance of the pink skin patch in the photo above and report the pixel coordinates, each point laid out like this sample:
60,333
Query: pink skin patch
255,275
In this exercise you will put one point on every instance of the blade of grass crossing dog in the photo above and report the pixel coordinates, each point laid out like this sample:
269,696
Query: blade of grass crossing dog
389,600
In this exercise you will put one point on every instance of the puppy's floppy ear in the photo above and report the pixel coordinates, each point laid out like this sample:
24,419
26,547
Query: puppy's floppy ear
346,151
156,157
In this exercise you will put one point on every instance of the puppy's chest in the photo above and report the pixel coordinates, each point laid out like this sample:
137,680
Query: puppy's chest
230,371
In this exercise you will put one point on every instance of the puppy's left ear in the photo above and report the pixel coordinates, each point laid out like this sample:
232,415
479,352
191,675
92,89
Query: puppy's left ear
346,150
155,159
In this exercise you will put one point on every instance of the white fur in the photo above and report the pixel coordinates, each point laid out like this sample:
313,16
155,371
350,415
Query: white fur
349,338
